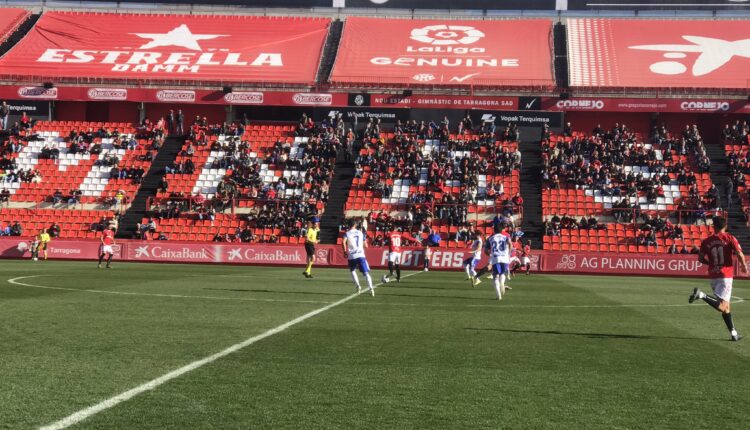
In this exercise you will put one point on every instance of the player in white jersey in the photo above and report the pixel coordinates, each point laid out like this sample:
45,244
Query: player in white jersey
470,264
354,248
498,248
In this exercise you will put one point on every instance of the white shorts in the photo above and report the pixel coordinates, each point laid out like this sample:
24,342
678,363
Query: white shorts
394,257
107,249
722,288
525,261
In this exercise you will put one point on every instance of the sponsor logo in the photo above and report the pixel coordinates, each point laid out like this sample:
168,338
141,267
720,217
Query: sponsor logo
447,46
22,247
359,100
321,256
423,77
444,35
253,255
144,61
163,253
705,106
714,53
583,104
65,251
37,93
567,262
107,94
175,96
244,97
312,99
488,117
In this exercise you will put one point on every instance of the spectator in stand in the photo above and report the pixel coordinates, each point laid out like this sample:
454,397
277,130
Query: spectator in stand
16,229
57,197
4,114
54,230
75,198
5,197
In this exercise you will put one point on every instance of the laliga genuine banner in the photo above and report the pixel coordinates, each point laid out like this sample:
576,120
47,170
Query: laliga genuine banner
658,54
445,52
170,47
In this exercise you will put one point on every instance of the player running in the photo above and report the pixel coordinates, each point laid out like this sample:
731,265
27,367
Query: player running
470,263
44,240
526,256
716,251
498,248
354,249
395,240
311,239
108,241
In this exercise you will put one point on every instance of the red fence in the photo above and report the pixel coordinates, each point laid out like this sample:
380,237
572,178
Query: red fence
330,255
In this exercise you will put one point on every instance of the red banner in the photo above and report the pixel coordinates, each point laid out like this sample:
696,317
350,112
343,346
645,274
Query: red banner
151,95
227,49
658,53
331,255
601,104
446,52
622,264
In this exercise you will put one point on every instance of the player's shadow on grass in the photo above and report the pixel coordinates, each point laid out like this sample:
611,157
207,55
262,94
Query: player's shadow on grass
589,335
248,290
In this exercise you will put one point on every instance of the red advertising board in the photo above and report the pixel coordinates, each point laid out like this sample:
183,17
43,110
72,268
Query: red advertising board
672,105
658,53
330,255
227,49
172,95
445,52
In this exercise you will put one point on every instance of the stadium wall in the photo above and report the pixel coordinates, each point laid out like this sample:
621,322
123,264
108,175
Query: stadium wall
331,255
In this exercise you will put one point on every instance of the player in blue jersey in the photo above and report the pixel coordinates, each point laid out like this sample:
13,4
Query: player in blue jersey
470,264
354,248
498,248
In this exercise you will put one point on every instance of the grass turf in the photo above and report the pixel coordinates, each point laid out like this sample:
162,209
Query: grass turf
431,352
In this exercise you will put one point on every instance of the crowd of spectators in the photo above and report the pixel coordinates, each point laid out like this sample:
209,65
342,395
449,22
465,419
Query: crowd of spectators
598,160
454,159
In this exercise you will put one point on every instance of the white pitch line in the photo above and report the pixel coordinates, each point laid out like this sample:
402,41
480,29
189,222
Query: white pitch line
83,414
15,281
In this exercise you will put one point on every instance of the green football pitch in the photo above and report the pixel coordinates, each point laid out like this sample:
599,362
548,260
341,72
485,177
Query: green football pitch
227,347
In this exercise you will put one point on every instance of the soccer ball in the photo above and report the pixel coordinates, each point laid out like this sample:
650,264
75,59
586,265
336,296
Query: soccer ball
35,259
384,279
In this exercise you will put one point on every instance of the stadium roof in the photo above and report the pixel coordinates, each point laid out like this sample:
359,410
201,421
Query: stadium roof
506,53
699,54
10,19
122,47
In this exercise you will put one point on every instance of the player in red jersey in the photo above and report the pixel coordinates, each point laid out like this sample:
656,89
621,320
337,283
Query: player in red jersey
108,241
526,256
716,251
395,241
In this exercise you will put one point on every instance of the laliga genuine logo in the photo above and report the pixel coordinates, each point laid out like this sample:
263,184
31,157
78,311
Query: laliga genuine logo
446,34
714,53
567,262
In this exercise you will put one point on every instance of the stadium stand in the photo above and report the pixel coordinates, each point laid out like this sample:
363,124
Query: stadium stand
255,182
426,177
74,172
630,195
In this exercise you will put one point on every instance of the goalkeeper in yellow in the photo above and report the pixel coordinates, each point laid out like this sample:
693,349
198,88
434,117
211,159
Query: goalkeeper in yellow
311,239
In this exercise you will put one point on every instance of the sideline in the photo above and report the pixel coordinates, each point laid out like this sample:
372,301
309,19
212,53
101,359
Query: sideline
83,414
